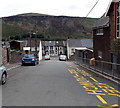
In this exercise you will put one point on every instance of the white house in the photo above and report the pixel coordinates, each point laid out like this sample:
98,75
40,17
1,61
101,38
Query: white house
40,51
53,48
81,44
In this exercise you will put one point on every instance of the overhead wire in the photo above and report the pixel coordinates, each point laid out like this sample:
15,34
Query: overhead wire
90,10
88,14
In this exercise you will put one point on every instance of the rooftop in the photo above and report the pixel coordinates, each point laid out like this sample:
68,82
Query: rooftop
102,22
80,43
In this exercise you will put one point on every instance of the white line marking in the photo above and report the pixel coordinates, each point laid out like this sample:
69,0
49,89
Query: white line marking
13,68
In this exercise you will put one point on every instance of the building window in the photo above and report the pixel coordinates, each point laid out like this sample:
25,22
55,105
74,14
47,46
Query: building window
60,48
51,47
100,54
56,48
99,32
46,48
51,52
72,50
118,20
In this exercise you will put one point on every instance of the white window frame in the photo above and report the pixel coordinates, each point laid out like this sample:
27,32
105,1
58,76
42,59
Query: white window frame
99,31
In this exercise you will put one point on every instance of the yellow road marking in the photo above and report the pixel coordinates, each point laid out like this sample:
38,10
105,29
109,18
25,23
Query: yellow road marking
115,105
93,79
112,106
101,99
76,74
91,88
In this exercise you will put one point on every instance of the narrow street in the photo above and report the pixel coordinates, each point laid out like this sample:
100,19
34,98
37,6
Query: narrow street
57,83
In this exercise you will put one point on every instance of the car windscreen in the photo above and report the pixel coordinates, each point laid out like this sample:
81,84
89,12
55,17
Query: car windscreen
62,56
29,55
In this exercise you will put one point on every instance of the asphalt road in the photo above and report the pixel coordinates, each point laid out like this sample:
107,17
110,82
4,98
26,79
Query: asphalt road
57,83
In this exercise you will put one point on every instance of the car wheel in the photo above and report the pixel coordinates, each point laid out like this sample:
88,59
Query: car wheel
38,62
22,64
3,79
34,64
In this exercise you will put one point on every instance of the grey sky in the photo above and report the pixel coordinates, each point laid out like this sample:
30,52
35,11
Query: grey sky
53,7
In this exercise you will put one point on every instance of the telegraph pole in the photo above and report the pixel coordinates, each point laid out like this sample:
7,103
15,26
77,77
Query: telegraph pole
36,37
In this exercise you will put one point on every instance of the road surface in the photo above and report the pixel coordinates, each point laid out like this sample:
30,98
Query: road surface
58,83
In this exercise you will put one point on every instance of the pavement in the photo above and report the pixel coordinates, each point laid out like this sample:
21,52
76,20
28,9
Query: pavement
12,66
99,73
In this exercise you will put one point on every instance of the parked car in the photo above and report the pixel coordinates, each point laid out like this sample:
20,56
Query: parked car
63,57
3,75
47,57
30,59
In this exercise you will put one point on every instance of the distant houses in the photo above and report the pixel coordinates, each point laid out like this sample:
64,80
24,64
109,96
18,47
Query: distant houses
54,48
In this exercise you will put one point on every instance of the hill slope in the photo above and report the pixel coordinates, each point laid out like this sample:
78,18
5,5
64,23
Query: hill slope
47,27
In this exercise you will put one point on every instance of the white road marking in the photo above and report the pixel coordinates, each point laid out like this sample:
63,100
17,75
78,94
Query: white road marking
13,68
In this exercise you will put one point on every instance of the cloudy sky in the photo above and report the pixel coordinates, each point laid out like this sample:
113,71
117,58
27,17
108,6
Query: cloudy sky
54,7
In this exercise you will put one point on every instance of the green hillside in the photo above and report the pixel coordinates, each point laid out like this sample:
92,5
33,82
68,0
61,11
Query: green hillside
47,27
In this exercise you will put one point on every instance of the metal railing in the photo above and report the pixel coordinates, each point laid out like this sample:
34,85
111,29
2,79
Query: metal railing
103,67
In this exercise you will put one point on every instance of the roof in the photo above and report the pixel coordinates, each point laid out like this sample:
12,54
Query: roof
49,43
81,48
84,48
74,43
32,43
54,43
80,43
60,43
17,41
102,22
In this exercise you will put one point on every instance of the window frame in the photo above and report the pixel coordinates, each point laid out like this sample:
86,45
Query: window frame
100,31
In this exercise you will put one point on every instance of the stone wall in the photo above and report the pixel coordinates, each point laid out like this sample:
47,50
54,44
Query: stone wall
5,55
15,57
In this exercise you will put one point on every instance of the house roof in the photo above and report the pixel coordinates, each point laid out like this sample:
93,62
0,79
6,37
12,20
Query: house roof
60,43
84,48
17,41
32,43
54,43
80,43
102,22
49,43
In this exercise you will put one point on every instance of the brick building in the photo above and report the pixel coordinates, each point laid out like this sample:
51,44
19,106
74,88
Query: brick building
101,39
106,31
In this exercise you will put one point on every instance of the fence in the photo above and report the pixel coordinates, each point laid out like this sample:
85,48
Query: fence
108,68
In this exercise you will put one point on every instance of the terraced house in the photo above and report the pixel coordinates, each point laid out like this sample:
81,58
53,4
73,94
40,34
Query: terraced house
53,48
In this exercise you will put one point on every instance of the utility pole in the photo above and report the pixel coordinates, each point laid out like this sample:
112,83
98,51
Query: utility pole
36,37
30,41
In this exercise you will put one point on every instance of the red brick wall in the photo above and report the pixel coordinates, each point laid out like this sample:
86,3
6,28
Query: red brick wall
102,43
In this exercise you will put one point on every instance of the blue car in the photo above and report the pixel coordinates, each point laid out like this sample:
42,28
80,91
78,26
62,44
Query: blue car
29,59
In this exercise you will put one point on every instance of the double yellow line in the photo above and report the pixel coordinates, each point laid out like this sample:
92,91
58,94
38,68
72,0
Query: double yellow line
112,106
